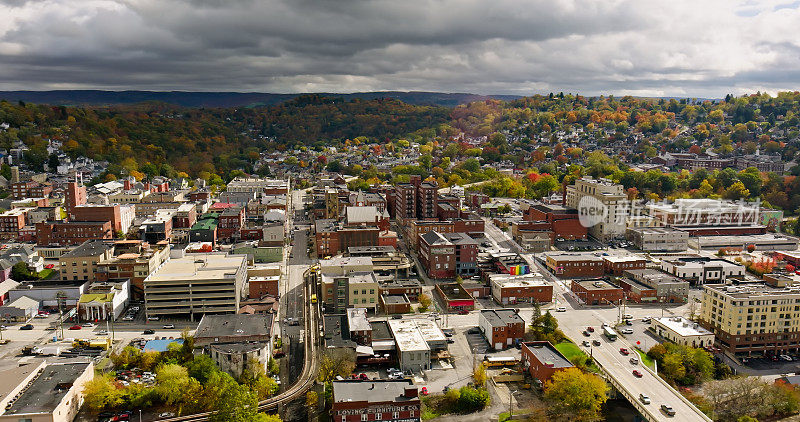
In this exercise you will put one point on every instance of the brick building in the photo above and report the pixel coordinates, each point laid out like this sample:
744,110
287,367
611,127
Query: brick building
572,265
71,233
230,222
12,221
74,196
455,297
376,400
466,250
502,328
120,216
617,265
542,360
437,255
597,292
511,289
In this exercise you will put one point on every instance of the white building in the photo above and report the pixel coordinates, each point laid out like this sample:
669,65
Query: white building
701,270
604,208
682,331
413,352
658,239
104,300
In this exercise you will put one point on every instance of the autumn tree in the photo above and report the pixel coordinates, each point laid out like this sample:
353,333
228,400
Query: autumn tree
575,394
335,363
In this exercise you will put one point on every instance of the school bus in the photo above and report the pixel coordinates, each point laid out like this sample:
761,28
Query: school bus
497,361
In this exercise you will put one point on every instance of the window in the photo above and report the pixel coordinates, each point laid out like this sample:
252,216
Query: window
363,416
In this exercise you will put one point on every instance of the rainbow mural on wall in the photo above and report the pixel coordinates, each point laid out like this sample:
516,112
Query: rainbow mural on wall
519,269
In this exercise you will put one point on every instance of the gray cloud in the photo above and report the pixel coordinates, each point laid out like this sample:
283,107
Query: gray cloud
651,47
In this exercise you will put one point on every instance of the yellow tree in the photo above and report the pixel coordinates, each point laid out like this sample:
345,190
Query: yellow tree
576,394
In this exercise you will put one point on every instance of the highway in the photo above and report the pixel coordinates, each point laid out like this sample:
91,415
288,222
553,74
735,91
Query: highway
614,364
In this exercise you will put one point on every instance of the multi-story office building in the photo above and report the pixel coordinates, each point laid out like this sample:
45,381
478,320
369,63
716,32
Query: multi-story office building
196,284
80,264
753,318
658,239
607,205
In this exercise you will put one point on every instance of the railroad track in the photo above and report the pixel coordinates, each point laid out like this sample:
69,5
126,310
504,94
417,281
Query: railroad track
299,388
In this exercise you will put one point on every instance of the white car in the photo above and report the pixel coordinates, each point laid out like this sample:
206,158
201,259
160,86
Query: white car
153,318
127,318
787,358
88,324
561,309
626,331
644,398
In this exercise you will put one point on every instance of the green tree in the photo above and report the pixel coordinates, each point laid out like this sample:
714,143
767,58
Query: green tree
236,404
20,272
576,394
201,368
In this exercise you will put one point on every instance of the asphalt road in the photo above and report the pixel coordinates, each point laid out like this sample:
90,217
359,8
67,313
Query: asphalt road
578,317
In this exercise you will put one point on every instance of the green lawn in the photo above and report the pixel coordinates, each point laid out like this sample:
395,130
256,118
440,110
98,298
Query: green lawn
647,360
45,273
569,350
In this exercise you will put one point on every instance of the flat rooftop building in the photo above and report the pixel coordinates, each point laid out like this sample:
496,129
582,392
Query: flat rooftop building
53,393
196,285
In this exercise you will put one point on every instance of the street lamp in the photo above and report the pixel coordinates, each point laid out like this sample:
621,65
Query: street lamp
511,401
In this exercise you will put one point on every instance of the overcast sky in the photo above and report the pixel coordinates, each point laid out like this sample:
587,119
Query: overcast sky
694,48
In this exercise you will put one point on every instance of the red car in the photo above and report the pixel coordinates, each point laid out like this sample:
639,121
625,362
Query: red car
363,377
49,266
424,391
624,351
590,329
637,374
75,327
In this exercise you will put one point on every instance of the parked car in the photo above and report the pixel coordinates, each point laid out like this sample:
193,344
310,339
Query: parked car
627,316
626,331
644,398
166,415
102,332
668,410
75,327
424,391
26,327
398,316
561,309
363,377
127,318
624,351
787,358
636,373
474,330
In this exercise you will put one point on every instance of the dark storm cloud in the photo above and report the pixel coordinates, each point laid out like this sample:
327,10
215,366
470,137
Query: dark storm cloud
617,46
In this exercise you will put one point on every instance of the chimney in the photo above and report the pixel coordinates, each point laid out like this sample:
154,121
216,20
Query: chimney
411,391
127,183
146,185
15,174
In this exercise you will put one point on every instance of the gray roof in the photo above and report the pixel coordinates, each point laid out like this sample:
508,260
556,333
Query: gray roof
377,391
89,248
501,317
235,325
547,354
435,238
47,390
